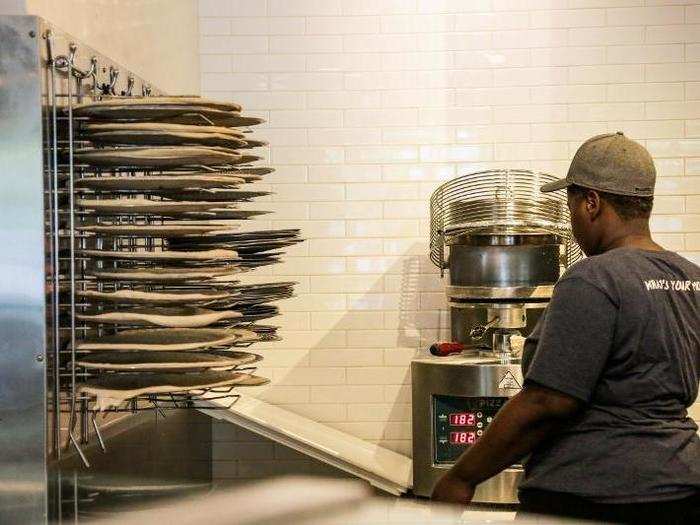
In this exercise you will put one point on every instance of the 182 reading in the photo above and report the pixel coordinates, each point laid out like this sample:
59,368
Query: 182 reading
462,438
463,419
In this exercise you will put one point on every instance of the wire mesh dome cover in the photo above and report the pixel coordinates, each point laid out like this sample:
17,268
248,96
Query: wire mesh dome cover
506,201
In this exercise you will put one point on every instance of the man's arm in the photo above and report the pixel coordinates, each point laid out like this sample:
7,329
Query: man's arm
525,421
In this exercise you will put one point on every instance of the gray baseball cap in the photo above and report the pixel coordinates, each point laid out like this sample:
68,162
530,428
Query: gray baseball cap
611,163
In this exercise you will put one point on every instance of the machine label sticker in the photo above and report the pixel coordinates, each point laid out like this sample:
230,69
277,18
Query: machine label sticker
509,382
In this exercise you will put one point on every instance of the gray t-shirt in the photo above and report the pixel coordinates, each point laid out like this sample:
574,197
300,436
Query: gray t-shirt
622,334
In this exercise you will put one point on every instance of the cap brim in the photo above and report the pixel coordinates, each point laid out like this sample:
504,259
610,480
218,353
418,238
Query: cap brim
555,186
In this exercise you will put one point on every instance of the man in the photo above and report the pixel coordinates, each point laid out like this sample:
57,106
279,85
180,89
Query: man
611,367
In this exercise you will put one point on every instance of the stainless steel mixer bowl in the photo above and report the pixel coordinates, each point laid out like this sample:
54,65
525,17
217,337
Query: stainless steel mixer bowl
504,260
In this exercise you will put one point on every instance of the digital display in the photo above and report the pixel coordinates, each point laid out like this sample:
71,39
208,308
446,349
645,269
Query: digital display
459,422
462,438
463,419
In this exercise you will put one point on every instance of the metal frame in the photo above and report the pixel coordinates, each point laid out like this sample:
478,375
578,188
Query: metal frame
65,86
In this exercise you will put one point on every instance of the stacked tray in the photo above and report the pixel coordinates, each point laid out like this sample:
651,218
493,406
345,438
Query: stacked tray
164,251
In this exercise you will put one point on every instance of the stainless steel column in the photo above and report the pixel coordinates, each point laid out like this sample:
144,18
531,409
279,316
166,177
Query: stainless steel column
23,446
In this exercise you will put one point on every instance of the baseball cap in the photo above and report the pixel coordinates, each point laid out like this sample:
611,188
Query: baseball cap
611,163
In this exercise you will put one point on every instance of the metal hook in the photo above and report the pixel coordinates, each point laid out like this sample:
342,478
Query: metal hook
94,67
67,62
113,76
78,449
79,73
76,71
98,433
130,85
72,50
92,72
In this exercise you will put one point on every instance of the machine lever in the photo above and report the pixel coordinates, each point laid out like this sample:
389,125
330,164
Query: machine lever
478,331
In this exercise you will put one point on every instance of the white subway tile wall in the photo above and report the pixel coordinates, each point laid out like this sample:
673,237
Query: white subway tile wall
371,104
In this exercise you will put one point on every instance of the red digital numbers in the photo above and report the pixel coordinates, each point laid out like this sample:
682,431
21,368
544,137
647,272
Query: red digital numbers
463,419
462,438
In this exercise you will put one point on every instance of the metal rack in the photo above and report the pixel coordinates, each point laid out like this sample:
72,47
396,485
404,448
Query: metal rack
69,84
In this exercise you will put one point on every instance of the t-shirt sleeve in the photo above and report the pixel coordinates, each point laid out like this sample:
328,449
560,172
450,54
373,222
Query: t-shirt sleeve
575,339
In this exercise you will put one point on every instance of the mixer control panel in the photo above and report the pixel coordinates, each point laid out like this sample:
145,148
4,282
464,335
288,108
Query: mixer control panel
459,422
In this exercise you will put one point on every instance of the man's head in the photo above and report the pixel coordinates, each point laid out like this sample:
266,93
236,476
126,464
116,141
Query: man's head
610,186
596,214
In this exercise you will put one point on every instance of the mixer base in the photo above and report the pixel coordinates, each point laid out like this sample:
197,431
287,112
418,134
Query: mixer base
454,400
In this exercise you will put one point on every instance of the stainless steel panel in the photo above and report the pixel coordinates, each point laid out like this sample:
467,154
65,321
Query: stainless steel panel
464,378
23,468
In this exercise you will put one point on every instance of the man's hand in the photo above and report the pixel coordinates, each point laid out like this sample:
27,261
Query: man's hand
451,489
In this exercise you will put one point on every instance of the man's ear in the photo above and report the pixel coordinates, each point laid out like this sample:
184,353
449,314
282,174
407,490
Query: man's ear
593,204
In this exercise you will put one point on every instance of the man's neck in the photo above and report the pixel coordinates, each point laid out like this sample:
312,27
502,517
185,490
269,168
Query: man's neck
630,234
